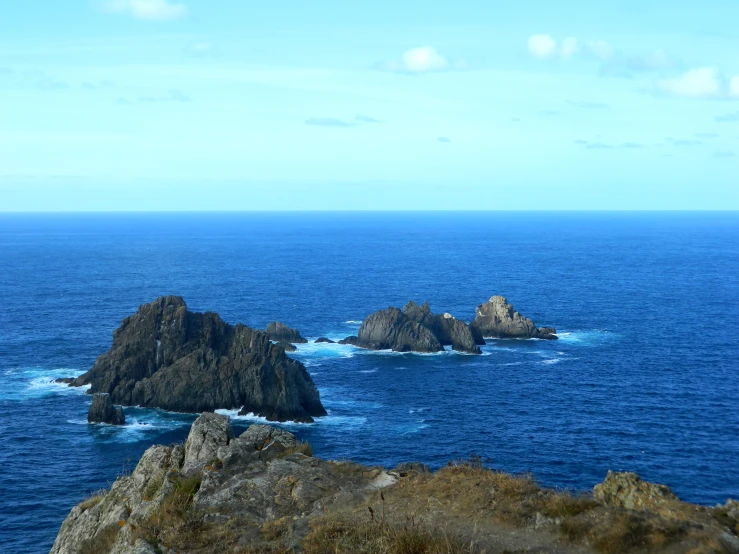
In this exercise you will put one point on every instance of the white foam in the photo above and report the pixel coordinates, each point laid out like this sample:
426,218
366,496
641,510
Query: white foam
34,382
551,361
368,370
352,322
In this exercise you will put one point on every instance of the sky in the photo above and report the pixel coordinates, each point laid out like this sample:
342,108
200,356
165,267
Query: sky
292,105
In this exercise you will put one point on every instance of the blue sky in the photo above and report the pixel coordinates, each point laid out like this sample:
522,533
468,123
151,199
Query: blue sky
236,104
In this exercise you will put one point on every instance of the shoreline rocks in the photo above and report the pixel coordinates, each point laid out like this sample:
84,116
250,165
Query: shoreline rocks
165,356
496,318
102,410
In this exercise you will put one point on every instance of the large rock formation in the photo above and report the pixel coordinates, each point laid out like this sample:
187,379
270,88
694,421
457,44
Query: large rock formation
240,483
414,329
102,410
165,356
264,492
496,318
280,332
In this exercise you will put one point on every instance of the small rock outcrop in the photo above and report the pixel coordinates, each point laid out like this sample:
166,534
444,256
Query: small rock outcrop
287,346
102,410
325,340
414,329
496,318
278,332
165,356
628,490
208,434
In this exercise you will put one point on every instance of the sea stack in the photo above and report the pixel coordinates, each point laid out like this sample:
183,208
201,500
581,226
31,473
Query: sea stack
165,356
414,329
102,410
496,318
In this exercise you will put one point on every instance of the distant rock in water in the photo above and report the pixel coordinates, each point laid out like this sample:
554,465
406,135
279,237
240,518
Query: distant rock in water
287,346
165,356
324,339
414,329
496,318
280,332
102,410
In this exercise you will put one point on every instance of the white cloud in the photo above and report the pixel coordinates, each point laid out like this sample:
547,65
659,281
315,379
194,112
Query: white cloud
424,58
155,10
734,87
601,49
542,46
569,47
704,82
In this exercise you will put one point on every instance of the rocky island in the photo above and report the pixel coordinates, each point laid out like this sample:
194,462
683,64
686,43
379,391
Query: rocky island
263,492
165,356
416,329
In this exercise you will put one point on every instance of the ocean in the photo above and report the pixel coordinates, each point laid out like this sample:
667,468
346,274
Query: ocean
644,378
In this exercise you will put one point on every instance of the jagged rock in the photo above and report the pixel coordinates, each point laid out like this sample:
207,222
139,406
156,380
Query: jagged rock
280,332
391,329
420,314
287,346
165,356
627,490
455,332
102,410
352,340
324,339
252,486
497,318
207,435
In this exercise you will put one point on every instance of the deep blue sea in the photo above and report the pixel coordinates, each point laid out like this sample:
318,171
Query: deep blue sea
645,377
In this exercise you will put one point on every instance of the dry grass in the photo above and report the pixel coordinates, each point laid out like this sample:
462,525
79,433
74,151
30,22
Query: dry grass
93,500
345,535
303,447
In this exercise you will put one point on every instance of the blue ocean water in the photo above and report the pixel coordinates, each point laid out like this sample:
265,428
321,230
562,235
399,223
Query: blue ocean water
645,377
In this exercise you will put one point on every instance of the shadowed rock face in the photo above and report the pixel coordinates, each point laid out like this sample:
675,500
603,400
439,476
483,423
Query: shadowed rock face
414,329
496,318
102,410
280,332
166,357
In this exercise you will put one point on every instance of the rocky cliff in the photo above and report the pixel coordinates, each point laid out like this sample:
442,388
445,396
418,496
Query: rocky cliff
264,492
165,356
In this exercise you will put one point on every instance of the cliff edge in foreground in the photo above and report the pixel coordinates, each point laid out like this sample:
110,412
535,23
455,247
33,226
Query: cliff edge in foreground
165,356
264,492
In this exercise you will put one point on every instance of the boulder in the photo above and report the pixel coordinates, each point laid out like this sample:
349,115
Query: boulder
627,490
208,434
165,356
102,410
352,340
280,332
496,318
324,339
287,346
